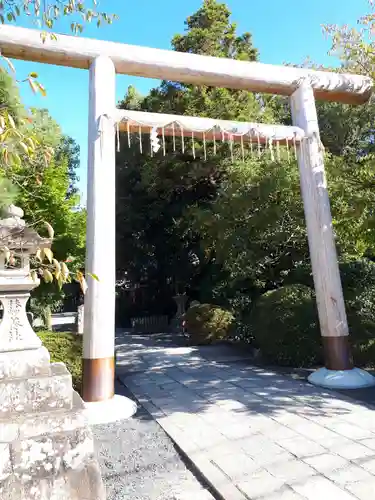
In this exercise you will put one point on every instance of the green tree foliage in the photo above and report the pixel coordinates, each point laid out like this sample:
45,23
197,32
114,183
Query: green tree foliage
207,324
284,326
45,190
46,13
355,45
153,194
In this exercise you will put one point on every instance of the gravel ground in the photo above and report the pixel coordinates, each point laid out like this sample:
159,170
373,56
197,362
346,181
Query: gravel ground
139,462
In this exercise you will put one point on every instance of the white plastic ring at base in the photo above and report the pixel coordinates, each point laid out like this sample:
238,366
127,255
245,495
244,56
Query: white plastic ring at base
342,379
111,410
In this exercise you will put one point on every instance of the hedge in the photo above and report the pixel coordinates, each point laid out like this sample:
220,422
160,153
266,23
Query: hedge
284,323
65,348
208,323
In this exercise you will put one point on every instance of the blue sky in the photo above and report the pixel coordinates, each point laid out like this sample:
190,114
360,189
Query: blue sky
281,32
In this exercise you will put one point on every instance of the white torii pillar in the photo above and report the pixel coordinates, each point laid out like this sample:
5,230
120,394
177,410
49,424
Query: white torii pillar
99,314
339,371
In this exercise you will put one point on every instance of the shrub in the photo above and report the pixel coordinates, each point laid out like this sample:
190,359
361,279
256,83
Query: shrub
207,323
284,325
65,348
358,280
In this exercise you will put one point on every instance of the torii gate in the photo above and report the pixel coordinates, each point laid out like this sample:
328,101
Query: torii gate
303,86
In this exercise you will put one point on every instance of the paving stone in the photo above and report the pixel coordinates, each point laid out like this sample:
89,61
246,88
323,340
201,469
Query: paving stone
370,443
161,379
258,446
278,431
351,431
284,494
216,477
327,462
226,447
365,490
350,474
237,431
290,420
204,386
315,432
318,487
368,465
335,441
235,466
354,451
207,440
260,484
231,404
301,446
261,423
265,459
246,383
290,471
152,409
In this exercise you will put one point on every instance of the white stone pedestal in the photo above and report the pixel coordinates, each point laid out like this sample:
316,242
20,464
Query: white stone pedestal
110,410
342,379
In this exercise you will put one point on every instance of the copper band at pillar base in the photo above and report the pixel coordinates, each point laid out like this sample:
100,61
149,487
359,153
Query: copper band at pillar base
98,381
337,353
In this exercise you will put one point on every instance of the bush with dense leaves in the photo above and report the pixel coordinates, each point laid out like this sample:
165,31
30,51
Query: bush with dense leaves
65,348
284,326
207,323
284,323
358,280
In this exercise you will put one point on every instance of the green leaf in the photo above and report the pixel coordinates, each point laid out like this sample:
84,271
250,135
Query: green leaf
24,147
94,276
50,230
47,276
11,121
38,255
48,254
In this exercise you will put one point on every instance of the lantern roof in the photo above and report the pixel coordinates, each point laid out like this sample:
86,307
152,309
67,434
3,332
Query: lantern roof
17,236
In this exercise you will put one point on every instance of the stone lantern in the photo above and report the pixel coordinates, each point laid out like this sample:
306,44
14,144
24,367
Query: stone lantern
180,300
16,283
46,447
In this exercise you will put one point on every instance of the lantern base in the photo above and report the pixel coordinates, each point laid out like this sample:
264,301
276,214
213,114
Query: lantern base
47,448
342,379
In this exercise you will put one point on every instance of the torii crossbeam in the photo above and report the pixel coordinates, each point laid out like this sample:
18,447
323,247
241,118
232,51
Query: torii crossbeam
104,59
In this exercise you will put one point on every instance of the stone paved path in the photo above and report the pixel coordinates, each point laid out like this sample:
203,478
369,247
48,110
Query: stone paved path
253,433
